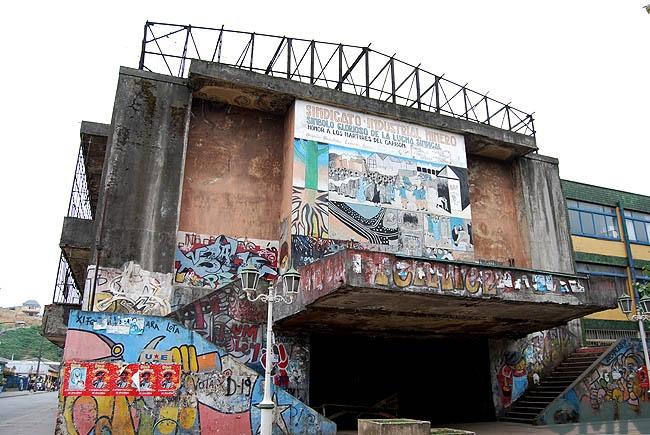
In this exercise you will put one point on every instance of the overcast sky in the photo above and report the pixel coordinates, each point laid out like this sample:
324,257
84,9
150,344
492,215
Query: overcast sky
581,66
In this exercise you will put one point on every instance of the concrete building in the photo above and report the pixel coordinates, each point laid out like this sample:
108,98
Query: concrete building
30,307
444,313
609,231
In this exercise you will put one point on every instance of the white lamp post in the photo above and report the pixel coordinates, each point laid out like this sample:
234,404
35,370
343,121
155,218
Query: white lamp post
250,276
642,313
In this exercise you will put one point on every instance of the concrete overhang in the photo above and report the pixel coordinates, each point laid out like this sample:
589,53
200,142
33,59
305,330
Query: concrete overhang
77,237
369,292
238,87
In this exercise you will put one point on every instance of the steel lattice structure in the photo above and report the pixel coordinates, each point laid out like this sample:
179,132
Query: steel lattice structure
166,48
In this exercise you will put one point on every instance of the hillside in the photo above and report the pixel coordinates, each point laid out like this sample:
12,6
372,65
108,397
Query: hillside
23,343
7,317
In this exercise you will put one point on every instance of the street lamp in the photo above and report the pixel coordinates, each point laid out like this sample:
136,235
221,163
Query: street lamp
249,277
642,313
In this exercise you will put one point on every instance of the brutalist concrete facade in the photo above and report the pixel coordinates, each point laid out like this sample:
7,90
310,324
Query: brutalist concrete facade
204,175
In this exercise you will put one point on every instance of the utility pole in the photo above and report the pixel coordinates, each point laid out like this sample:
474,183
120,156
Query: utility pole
40,352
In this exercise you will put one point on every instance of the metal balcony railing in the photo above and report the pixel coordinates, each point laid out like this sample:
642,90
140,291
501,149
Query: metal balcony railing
65,289
79,205
166,48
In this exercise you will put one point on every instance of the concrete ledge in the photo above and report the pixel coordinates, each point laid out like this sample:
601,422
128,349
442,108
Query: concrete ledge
394,426
55,322
262,92
94,129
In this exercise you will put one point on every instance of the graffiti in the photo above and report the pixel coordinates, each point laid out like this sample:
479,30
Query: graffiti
464,280
306,250
129,290
214,261
216,390
309,213
520,363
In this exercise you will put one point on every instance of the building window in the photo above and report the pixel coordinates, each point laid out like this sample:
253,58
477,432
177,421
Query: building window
593,220
638,226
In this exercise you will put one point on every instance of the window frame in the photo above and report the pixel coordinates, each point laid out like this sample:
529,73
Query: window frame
629,217
578,210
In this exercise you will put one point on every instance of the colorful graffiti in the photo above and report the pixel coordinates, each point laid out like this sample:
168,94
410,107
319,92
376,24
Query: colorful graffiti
129,290
517,364
465,280
214,261
237,326
217,393
615,389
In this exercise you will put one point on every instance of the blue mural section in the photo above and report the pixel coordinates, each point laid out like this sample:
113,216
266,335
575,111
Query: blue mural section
218,393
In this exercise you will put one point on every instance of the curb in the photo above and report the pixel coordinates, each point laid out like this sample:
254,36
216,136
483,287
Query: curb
26,393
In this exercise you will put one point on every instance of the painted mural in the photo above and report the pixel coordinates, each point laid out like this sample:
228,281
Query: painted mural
518,364
236,325
616,389
129,290
389,186
217,393
214,261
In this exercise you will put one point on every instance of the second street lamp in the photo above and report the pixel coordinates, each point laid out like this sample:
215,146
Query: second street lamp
249,277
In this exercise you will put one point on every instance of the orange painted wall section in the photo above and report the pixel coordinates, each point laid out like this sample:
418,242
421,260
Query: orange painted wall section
233,172
496,229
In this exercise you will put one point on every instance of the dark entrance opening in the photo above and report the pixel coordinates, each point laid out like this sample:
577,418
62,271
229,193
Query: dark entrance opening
439,380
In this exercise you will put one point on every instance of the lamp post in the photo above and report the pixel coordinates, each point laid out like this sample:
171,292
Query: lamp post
642,313
250,276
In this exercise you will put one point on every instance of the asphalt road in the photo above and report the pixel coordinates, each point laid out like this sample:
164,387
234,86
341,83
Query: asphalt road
32,414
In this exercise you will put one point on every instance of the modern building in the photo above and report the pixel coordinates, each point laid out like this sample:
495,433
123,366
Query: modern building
434,298
610,233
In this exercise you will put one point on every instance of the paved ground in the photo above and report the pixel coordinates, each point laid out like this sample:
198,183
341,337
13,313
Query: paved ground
27,414
632,427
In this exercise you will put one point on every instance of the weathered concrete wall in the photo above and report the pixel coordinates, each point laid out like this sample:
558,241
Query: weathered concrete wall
612,389
542,212
217,394
497,232
513,363
233,172
138,207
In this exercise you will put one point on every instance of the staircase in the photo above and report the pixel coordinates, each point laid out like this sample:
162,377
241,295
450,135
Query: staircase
538,397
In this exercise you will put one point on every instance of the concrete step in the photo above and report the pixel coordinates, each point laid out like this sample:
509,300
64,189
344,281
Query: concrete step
516,420
526,409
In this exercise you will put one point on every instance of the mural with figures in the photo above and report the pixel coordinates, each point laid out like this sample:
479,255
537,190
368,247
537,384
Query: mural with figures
517,364
217,393
214,261
615,389
385,185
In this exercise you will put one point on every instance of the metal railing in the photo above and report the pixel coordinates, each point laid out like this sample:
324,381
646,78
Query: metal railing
166,48
605,337
79,205
65,289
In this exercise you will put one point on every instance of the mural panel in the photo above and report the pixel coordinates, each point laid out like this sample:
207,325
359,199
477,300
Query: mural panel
390,186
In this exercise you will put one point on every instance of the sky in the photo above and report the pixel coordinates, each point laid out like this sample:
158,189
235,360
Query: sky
581,66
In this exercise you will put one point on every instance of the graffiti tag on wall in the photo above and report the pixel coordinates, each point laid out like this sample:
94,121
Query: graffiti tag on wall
214,261
129,290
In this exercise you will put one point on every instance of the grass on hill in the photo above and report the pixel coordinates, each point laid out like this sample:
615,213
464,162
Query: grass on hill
23,343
